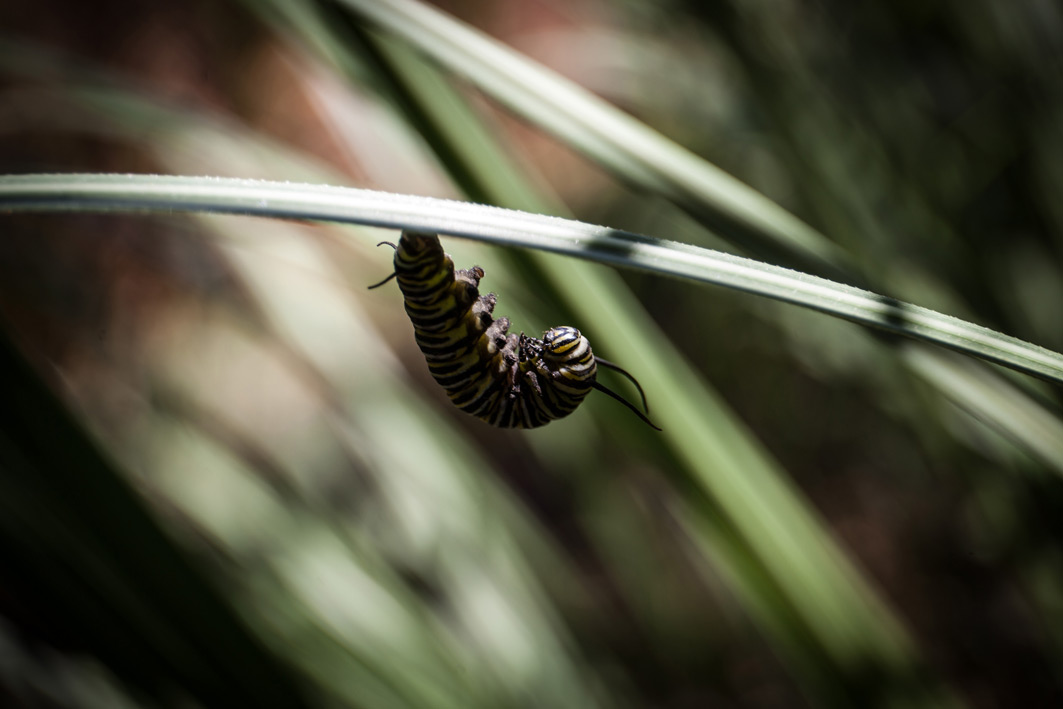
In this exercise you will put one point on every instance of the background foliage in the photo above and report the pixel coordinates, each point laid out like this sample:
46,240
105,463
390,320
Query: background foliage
832,523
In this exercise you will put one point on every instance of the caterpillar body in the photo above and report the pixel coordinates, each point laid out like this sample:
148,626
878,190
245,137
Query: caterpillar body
506,380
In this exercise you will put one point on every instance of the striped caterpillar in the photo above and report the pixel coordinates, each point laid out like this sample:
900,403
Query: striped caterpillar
506,380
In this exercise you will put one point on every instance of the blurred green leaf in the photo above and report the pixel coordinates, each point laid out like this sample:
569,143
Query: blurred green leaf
95,570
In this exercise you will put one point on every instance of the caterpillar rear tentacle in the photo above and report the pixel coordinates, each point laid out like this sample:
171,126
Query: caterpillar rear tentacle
393,273
506,380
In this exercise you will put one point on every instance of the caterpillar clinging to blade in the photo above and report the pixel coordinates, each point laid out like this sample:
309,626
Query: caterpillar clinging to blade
506,380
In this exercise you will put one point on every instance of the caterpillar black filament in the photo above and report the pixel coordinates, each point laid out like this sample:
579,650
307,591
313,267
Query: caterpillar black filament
511,381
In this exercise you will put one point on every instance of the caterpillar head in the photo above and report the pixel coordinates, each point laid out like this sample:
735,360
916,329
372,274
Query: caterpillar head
564,343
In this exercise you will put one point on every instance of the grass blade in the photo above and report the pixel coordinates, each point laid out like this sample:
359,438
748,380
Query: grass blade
512,228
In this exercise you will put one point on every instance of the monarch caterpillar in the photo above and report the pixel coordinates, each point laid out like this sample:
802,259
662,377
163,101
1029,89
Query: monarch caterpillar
506,380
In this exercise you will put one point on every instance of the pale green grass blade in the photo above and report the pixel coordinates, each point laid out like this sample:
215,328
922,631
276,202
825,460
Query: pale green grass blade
501,226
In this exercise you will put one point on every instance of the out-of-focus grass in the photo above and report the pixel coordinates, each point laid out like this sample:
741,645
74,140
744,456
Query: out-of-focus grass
373,545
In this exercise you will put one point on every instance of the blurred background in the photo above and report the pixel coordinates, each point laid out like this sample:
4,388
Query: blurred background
249,492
